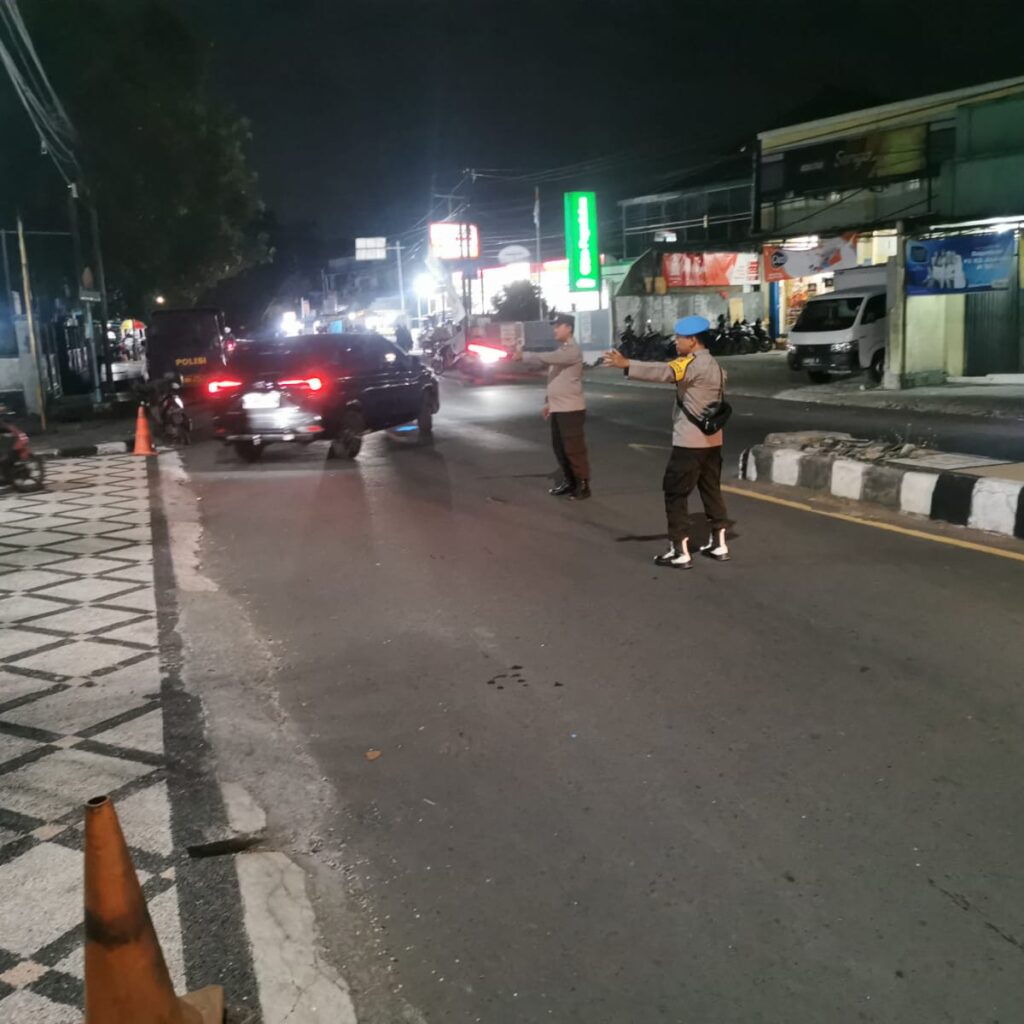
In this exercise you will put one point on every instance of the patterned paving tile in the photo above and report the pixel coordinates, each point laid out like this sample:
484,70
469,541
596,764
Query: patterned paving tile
14,686
23,606
143,733
25,1006
50,876
24,580
30,558
142,632
85,618
77,658
32,538
14,746
14,643
137,600
109,543
137,573
68,713
88,566
87,588
76,604
63,781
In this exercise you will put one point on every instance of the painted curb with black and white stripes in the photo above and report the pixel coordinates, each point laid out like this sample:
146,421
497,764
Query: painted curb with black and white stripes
83,451
979,502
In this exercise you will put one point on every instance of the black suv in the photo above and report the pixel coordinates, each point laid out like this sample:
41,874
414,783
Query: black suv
334,387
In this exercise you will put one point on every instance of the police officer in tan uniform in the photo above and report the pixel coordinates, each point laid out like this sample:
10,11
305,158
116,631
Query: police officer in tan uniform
696,460
566,408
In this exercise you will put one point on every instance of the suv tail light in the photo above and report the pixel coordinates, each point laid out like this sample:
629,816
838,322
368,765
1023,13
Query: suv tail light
313,383
487,353
215,387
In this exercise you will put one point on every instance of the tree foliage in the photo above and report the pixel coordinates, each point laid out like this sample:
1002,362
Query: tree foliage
518,301
164,159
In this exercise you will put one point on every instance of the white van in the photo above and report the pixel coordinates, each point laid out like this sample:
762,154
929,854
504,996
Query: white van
842,332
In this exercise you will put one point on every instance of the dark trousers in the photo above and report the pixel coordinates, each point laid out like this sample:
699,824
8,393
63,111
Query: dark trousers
688,468
570,444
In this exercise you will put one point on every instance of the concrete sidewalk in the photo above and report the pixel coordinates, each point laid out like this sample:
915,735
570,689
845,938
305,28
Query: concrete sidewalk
87,695
766,375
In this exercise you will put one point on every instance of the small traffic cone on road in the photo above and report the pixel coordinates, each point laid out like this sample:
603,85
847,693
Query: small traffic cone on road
126,978
143,439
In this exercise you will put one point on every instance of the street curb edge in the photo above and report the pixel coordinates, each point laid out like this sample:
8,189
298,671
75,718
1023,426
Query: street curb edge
87,450
960,499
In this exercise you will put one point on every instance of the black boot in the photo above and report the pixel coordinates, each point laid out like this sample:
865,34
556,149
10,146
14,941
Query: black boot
581,491
564,488
677,556
716,547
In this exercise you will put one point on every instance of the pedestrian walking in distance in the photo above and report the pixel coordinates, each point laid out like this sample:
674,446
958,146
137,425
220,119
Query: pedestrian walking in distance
566,408
696,460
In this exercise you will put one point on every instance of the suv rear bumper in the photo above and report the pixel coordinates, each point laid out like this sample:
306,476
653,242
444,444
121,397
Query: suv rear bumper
289,423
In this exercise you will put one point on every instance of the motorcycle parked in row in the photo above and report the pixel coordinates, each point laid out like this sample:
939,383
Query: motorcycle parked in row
19,468
651,346
739,338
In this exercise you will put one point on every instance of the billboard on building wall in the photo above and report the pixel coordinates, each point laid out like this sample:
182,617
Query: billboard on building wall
710,269
841,164
581,244
826,257
958,264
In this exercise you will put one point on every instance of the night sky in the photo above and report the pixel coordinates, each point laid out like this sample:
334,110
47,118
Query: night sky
358,106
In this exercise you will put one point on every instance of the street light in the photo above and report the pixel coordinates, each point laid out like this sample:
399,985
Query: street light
160,300
425,287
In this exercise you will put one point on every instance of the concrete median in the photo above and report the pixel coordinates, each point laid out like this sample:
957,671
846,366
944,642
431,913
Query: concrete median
964,490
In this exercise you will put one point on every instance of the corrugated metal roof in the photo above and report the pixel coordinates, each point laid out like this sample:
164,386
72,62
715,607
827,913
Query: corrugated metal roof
891,115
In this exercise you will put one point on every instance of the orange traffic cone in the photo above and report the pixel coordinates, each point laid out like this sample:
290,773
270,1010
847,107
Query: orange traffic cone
126,979
143,439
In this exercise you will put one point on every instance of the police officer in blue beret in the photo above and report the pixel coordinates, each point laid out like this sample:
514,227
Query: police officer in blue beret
696,460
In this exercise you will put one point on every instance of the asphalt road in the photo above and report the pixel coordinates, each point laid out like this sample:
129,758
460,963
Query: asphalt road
782,789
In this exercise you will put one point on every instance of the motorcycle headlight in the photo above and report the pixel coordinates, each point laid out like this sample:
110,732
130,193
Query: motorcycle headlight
842,346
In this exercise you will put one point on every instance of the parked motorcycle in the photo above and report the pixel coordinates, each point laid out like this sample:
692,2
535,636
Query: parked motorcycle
19,468
167,409
764,339
174,420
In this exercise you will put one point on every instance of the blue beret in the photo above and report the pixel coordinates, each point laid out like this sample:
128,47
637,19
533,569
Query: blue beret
688,326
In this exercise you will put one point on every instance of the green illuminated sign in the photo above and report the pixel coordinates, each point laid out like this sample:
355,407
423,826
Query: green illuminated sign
581,242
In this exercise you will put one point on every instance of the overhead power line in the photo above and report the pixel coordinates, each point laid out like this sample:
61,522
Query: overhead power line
21,62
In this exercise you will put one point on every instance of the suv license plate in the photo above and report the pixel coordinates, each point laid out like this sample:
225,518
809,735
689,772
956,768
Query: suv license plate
261,400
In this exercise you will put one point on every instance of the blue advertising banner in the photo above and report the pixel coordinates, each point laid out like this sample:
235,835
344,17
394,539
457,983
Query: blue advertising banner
960,263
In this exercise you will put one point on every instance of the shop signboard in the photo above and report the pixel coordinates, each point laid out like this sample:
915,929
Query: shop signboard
710,269
452,241
871,159
958,264
826,257
581,242
371,248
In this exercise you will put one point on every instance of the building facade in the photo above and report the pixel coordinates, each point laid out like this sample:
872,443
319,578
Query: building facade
942,178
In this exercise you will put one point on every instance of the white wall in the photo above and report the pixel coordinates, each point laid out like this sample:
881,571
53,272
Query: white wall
935,334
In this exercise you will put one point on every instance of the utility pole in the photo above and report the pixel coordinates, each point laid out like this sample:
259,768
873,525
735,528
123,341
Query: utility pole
90,327
401,279
8,294
30,320
540,262
101,280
